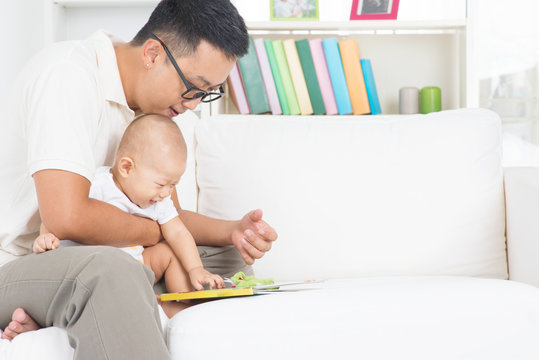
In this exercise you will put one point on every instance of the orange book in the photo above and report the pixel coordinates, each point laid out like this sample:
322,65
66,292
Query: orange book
354,76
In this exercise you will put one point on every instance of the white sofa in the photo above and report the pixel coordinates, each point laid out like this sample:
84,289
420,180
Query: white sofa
405,217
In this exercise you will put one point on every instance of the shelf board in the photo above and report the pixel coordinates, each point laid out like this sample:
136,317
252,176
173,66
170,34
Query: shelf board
357,25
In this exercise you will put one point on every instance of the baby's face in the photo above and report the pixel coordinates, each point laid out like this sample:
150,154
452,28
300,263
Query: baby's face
148,184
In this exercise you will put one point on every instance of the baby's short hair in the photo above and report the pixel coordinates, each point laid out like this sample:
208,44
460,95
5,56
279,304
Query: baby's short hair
150,135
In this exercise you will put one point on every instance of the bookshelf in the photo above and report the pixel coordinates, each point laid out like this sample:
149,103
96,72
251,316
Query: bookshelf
403,53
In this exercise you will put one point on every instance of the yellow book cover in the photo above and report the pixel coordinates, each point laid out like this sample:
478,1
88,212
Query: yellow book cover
354,76
298,78
209,294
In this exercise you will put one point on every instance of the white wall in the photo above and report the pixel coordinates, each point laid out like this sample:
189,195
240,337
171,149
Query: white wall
21,26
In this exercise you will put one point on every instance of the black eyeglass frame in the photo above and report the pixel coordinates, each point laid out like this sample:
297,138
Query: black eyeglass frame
199,93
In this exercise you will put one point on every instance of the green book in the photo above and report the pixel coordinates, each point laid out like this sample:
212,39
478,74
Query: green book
253,81
285,77
309,72
277,77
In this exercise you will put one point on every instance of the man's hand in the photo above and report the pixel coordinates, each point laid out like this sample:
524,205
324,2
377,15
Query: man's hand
253,236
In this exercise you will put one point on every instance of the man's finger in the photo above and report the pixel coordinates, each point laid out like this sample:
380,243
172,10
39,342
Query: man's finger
255,215
251,249
246,257
259,243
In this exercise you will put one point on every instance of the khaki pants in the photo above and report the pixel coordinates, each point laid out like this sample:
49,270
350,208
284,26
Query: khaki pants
100,295
223,260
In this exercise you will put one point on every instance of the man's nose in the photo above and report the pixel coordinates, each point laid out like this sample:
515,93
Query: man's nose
191,104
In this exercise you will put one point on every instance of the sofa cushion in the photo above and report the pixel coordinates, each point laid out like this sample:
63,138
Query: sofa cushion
187,187
362,196
45,344
377,318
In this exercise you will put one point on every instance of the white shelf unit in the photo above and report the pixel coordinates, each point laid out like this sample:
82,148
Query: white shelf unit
403,53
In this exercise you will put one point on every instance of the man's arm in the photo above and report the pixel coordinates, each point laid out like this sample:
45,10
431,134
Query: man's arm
251,235
67,212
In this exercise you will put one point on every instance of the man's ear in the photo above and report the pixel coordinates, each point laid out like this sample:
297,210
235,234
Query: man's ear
150,52
125,166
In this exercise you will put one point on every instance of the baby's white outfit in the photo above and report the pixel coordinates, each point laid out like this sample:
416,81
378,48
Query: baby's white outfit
103,188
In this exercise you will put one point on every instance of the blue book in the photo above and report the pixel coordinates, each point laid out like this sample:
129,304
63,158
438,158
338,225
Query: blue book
372,94
336,74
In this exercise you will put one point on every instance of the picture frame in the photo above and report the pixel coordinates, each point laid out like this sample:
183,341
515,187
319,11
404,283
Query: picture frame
294,10
374,9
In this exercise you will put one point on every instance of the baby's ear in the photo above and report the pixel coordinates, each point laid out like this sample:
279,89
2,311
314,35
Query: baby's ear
125,165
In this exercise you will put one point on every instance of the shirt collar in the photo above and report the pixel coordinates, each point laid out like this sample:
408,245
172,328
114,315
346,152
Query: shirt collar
108,67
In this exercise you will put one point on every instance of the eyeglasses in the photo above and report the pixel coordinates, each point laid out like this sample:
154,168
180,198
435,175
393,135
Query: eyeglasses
192,92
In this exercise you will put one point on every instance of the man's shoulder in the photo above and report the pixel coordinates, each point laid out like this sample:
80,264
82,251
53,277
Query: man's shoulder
70,56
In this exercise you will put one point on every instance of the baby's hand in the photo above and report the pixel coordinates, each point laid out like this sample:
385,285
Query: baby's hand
46,242
200,276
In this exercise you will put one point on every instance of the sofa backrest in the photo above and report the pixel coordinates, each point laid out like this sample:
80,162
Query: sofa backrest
362,196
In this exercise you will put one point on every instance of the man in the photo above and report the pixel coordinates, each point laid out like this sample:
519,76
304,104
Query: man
68,113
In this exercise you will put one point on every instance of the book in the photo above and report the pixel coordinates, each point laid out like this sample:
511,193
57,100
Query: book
208,294
372,94
336,74
237,91
282,63
236,291
277,77
298,79
267,76
322,75
307,64
354,76
253,81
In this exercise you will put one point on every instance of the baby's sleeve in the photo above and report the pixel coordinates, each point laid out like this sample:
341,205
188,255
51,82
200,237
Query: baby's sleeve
166,211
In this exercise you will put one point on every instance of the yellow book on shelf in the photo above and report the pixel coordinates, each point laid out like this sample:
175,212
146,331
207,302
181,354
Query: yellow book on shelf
209,294
298,79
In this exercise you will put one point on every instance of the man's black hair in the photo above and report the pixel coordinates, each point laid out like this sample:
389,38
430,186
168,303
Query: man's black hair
182,24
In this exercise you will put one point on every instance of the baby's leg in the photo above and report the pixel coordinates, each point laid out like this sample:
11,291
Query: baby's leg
161,259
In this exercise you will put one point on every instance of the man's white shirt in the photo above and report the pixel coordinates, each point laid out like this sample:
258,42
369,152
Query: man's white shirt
67,111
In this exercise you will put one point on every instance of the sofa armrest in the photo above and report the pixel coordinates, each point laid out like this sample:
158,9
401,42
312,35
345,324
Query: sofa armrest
522,221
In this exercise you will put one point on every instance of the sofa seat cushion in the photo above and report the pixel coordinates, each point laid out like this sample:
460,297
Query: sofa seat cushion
45,344
376,318
356,196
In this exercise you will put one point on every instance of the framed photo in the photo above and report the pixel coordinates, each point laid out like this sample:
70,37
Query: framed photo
374,9
294,9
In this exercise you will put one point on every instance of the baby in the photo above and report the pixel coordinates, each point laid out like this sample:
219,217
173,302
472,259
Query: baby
149,163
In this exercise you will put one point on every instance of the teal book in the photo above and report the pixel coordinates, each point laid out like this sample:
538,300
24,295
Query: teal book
372,94
336,74
277,77
313,87
253,81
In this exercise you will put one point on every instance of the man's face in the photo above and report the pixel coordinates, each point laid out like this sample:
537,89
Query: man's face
161,93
